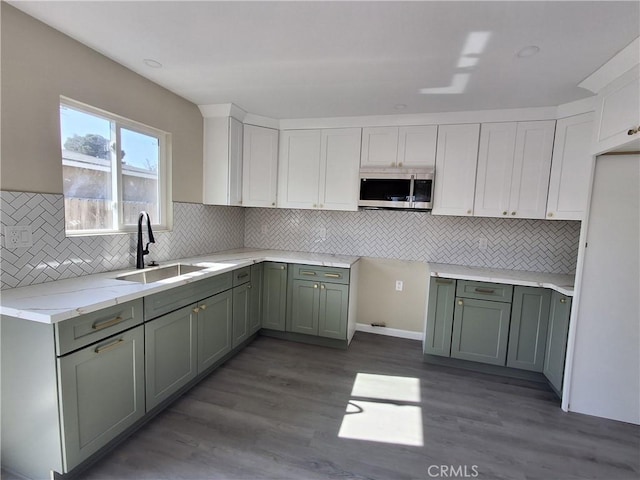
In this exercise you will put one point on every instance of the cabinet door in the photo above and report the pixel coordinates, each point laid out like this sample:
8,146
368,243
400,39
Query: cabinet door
255,312
101,390
214,329
528,332
556,348
379,147
480,331
241,313
260,166
170,354
618,115
495,169
299,171
442,292
571,167
334,305
339,169
302,317
455,175
274,296
222,167
417,146
532,165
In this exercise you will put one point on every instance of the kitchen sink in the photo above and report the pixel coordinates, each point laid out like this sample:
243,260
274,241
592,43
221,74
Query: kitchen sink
159,273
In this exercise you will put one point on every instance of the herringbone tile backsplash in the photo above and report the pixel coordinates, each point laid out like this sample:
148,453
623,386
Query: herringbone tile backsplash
198,229
534,245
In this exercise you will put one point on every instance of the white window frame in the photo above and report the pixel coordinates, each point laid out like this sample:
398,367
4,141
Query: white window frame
165,222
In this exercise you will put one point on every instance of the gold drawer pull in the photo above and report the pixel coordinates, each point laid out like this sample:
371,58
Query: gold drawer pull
107,323
563,300
460,302
333,275
444,282
109,346
485,290
242,275
203,307
315,285
307,272
196,309
281,267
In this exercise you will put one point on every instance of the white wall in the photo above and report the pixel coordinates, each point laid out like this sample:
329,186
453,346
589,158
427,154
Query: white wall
605,379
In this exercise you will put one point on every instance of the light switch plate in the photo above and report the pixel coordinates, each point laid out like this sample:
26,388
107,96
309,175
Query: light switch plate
18,236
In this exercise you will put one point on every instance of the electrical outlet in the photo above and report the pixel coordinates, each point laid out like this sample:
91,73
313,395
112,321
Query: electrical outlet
18,236
264,229
482,243
399,285
322,233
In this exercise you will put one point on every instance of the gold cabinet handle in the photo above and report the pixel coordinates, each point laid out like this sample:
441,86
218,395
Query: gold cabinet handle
460,302
550,214
400,164
633,131
203,307
393,164
322,286
281,267
505,212
196,310
249,286
307,272
469,212
485,290
315,285
273,204
315,206
563,300
333,275
109,346
513,213
107,323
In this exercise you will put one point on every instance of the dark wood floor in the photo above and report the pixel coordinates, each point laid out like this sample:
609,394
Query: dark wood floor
275,411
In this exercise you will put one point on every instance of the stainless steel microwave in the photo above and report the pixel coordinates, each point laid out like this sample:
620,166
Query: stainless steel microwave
396,188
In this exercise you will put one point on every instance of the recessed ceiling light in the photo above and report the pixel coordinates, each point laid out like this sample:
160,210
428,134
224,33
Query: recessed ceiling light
529,51
400,106
149,62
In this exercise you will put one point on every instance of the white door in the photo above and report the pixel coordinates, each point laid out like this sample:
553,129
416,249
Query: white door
495,169
260,166
299,174
455,175
339,169
605,375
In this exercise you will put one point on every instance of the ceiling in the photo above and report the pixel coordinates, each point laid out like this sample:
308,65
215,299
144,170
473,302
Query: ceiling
327,59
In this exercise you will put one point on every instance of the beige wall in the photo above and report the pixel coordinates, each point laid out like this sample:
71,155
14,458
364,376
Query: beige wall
38,65
378,300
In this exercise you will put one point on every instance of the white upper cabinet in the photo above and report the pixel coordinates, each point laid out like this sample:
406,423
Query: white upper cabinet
571,167
260,166
222,166
513,169
455,174
399,147
319,169
618,114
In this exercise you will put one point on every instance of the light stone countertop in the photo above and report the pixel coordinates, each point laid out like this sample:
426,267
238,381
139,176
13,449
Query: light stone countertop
561,283
59,300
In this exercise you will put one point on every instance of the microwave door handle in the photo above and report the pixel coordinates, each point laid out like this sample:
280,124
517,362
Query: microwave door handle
411,198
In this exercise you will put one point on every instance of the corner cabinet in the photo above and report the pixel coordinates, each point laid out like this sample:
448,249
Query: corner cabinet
455,175
259,166
399,147
556,346
274,296
222,167
318,169
513,169
571,167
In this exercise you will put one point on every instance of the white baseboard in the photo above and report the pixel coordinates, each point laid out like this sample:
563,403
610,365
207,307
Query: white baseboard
390,332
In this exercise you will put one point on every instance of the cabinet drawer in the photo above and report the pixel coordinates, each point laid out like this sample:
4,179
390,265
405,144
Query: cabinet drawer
170,300
242,275
484,291
322,274
81,331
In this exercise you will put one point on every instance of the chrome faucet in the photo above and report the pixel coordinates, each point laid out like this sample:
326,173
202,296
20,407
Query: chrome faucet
142,252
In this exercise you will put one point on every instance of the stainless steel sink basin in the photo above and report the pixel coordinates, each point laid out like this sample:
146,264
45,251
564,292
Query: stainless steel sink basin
159,273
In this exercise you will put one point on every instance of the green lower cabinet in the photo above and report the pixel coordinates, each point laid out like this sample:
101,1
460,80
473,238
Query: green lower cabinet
442,293
304,304
241,313
274,296
556,348
214,329
480,331
528,332
255,311
102,393
170,354
333,312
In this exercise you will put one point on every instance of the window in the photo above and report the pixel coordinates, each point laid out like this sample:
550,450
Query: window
113,169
